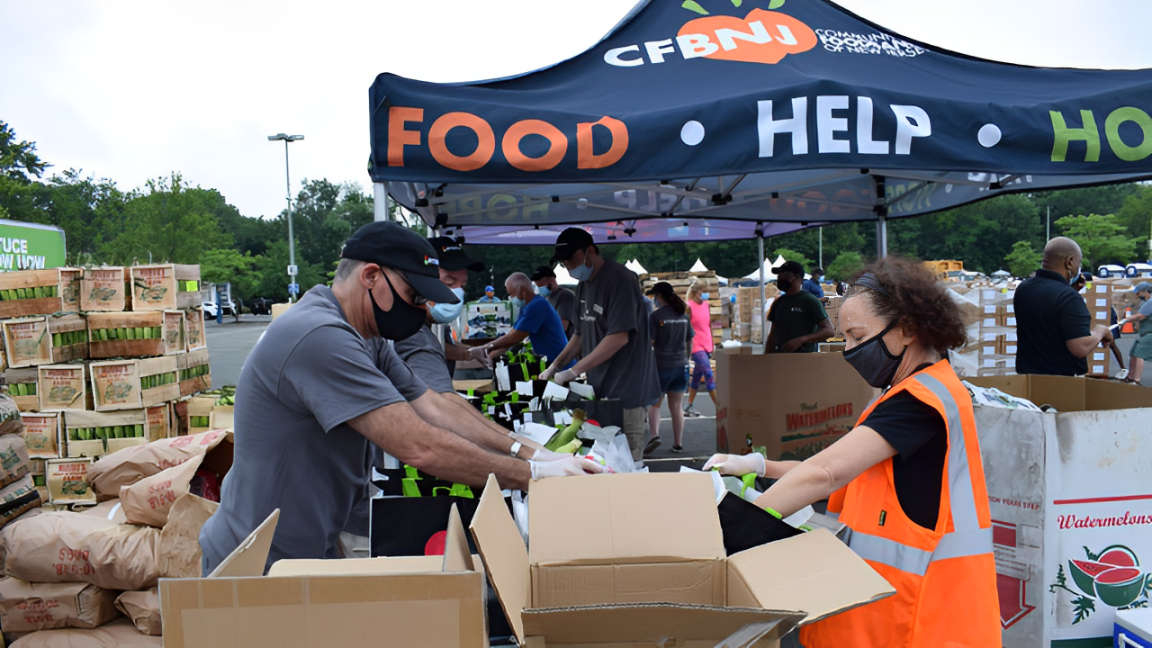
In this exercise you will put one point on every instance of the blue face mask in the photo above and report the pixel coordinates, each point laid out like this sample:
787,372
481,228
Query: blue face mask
582,272
705,296
544,291
445,313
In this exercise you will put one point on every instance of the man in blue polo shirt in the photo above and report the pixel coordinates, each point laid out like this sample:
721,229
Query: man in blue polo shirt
1055,330
538,322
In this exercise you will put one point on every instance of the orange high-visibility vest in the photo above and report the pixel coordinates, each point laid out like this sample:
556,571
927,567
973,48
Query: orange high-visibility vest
945,578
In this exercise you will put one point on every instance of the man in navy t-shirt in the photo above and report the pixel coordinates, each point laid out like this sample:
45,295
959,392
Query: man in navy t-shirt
538,322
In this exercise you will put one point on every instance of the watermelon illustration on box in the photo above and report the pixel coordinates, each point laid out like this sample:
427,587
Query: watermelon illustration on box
1113,577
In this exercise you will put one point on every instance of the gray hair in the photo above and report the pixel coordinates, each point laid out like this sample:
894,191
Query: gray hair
519,280
346,268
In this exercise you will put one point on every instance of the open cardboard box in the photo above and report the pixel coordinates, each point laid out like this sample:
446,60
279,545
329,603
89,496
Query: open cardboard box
416,601
640,563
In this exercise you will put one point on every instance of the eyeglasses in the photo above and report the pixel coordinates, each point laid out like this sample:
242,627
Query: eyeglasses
417,299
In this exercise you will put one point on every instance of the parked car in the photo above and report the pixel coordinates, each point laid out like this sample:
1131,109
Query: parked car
260,306
209,310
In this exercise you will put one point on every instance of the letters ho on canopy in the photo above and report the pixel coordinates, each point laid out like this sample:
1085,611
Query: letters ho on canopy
721,119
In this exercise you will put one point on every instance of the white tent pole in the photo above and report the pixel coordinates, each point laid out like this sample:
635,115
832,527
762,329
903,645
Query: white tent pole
882,236
763,334
380,202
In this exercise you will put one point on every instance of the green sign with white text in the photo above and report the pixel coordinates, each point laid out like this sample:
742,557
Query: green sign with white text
29,246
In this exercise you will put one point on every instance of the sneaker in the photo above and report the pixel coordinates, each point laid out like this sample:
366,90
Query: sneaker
652,445
677,449
690,411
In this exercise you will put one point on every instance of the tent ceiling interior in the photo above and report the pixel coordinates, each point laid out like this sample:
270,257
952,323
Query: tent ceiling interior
725,119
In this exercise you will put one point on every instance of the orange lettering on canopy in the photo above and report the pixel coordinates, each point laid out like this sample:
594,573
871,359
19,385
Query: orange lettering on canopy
485,147
557,145
398,137
586,158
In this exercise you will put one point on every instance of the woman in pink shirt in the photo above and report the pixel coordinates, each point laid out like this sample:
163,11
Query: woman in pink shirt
701,346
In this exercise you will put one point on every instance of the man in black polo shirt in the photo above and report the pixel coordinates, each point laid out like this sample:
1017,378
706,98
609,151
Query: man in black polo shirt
1055,330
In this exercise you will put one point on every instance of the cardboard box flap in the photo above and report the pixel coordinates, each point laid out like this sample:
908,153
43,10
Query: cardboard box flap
814,572
503,553
628,518
357,566
457,558
249,558
651,623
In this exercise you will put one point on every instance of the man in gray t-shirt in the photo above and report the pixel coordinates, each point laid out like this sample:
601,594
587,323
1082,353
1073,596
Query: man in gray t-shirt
611,334
316,391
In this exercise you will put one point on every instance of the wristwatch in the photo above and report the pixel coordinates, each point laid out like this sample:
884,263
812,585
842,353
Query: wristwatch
515,450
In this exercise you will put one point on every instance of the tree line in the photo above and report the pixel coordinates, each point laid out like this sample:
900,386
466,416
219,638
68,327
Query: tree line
172,220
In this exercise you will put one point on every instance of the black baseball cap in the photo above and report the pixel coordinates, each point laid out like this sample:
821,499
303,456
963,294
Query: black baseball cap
452,255
789,266
542,272
570,241
390,245
662,288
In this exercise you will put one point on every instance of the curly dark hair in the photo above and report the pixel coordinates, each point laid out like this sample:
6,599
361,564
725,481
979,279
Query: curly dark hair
915,299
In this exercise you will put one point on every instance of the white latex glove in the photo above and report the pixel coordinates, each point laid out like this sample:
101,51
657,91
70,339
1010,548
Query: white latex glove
548,373
479,353
544,454
738,465
565,467
564,377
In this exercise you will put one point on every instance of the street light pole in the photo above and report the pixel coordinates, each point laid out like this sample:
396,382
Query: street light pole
291,236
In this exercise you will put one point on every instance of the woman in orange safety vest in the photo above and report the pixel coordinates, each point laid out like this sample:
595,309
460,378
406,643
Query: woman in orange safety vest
907,482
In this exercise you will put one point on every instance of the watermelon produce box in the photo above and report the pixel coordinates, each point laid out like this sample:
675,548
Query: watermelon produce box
1071,503
130,335
165,287
42,434
103,289
195,372
39,292
816,400
61,387
133,384
199,413
630,572
27,341
94,434
69,337
194,329
23,388
433,601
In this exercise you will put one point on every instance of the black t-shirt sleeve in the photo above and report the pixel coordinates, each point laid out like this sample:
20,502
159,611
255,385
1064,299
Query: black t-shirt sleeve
906,423
1075,321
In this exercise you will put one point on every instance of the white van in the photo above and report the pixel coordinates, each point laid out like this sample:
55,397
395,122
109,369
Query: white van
1138,270
1110,270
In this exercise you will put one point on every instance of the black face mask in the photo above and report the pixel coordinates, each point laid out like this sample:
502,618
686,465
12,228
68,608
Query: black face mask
873,361
400,323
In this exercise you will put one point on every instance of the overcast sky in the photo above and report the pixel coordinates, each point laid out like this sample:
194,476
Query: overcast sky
136,89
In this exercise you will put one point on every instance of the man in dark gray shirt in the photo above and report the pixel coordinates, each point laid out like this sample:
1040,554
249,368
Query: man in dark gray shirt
611,334
315,393
560,297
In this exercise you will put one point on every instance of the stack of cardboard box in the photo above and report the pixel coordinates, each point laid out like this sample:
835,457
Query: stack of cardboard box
719,310
1098,298
102,356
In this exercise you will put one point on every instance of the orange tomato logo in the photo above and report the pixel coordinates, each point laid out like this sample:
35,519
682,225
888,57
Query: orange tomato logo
759,37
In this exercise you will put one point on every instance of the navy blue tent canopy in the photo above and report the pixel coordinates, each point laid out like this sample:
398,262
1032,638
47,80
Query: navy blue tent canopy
717,119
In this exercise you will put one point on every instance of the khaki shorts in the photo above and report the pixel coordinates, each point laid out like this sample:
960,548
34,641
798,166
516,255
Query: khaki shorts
635,427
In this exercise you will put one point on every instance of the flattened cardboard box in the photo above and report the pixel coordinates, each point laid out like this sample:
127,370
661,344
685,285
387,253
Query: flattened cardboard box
627,571
422,601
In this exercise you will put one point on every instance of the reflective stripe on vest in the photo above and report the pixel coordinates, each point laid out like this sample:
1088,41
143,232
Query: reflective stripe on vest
968,539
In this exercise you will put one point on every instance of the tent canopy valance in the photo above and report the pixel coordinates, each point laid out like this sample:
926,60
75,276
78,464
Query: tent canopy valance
712,121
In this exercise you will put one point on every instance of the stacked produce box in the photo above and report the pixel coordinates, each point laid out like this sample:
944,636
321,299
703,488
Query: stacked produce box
102,355
997,337
100,495
748,316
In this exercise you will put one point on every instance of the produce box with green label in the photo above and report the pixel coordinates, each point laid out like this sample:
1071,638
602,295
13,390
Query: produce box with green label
27,341
39,292
133,384
102,289
130,335
166,287
42,434
68,481
61,387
